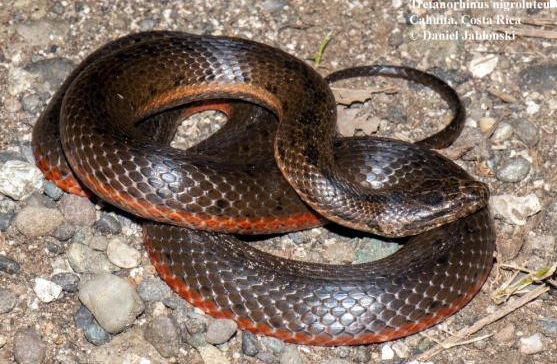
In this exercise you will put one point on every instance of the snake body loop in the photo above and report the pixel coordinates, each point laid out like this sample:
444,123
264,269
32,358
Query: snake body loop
107,132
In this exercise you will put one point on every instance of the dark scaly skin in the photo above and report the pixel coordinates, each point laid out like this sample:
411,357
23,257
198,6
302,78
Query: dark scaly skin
115,135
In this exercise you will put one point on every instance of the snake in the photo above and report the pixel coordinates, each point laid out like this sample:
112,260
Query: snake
277,165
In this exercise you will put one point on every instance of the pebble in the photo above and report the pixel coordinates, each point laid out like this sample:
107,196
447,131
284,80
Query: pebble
19,179
196,323
121,254
68,281
212,355
29,347
83,259
19,81
30,103
41,32
98,242
482,66
513,170
401,349
250,345
8,265
164,335
506,334
78,210
52,70
220,331
5,220
273,6
266,357
34,221
387,353
548,326
8,300
515,209
153,290
64,232
83,317
108,224
336,251
53,191
526,131
47,291
531,344
95,334
112,300
486,124
503,132
273,344
290,355
541,77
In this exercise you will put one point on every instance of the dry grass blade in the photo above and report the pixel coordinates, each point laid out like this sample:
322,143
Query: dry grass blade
348,96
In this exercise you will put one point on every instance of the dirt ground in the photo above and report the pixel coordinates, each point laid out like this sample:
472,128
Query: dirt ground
508,86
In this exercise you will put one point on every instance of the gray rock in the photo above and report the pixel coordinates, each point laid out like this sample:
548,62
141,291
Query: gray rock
540,78
121,254
112,300
52,71
40,200
275,345
47,291
8,300
515,209
83,317
196,323
29,348
513,170
64,232
95,334
31,103
147,24
83,259
290,355
37,221
8,265
68,281
273,6
53,191
78,210
526,131
250,345
503,132
212,355
26,150
19,179
506,334
98,242
164,335
266,357
108,224
197,340
531,344
153,290
82,235
40,32
6,219
548,326
220,331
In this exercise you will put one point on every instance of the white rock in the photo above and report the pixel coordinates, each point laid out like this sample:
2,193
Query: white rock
401,349
112,300
46,290
121,254
211,355
20,179
483,65
515,209
531,344
19,81
387,353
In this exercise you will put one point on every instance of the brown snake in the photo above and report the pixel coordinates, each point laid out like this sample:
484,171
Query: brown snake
109,126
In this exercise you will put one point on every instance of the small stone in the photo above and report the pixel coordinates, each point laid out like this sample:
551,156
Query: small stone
250,345
112,300
78,210
5,220
153,290
290,355
8,265
34,221
98,242
531,344
68,281
486,124
211,355
483,65
548,326
30,103
266,357
526,131
18,81
220,331
387,352
515,209
8,300
52,71
46,290
53,191
41,32
83,259
29,347
108,224
121,254
338,252
95,334
513,170
539,77
401,349
196,323
505,335
164,335
396,38
197,340
273,6
273,344
146,24
83,317
503,132
64,232
19,179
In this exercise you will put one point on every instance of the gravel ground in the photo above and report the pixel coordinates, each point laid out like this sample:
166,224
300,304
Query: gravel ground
60,253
